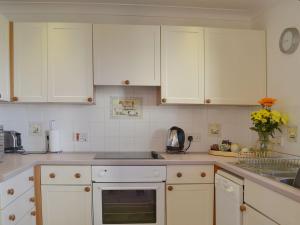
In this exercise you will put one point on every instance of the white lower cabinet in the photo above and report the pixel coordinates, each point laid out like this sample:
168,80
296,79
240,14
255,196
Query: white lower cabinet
252,217
62,205
190,204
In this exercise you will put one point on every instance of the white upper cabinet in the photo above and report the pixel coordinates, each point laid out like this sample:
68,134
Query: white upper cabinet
30,62
4,60
182,68
235,66
70,64
126,55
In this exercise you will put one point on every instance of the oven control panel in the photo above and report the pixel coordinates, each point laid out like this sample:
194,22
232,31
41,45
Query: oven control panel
129,174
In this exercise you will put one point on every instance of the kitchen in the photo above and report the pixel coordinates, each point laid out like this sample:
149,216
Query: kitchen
99,85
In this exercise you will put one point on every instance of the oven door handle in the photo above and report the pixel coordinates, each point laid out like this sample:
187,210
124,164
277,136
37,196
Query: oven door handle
128,188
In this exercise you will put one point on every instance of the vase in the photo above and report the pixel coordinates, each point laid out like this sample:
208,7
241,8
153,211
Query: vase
264,143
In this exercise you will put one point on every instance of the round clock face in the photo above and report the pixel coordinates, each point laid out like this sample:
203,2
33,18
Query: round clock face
289,40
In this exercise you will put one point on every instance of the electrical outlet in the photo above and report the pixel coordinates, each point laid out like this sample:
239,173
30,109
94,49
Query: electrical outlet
80,137
35,129
214,129
196,137
292,132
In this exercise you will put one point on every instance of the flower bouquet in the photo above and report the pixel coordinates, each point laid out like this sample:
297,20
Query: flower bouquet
266,121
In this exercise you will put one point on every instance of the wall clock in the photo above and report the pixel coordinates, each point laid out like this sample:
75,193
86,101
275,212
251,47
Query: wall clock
289,40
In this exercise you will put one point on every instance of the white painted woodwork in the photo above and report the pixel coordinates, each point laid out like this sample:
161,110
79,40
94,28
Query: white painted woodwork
182,64
190,174
190,204
28,219
19,183
70,69
252,217
126,52
235,66
66,175
4,60
30,62
18,208
260,198
63,205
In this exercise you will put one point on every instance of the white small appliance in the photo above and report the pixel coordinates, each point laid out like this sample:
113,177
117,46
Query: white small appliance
229,198
53,138
129,195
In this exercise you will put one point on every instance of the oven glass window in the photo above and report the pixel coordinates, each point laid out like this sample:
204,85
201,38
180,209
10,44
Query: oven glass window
128,206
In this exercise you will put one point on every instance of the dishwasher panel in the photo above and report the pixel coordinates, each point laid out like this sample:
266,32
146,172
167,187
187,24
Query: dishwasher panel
229,197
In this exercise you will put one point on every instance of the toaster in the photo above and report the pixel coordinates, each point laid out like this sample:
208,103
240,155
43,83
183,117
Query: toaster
12,142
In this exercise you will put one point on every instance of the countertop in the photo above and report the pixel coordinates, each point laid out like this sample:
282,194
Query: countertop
13,164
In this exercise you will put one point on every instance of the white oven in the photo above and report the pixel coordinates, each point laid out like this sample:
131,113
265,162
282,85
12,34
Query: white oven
129,195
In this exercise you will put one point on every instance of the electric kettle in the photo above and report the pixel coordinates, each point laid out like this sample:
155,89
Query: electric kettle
176,139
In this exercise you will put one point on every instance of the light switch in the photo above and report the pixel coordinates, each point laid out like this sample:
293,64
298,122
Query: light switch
214,129
35,129
292,132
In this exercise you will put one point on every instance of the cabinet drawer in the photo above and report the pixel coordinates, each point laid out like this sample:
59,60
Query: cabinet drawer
28,219
261,198
190,174
73,175
13,213
16,186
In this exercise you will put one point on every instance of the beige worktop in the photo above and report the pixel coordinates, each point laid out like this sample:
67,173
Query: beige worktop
14,164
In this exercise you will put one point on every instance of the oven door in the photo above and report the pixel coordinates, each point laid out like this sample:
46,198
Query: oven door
129,203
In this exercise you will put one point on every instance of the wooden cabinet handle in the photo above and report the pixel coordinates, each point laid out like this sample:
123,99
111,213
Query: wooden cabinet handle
243,208
77,175
87,189
14,99
10,191
33,213
12,217
163,100
31,178
52,175
32,199
127,82
90,99
179,174
170,188
208,101
203,174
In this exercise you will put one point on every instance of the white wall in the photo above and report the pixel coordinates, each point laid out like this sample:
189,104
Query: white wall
106,134
283,70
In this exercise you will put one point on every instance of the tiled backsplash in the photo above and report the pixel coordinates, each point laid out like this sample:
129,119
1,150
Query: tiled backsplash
107,134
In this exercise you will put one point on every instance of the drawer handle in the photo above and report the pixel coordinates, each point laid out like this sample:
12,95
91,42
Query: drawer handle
52,175
31,178
33,213
203,174
77,175
12,217
179,174
243,208
87,189
10,191
208,101
32,199
90,100
127,82
14,99
164,100
170,188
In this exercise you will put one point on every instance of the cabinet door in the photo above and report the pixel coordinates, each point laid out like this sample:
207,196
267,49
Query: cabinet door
4,60
30,62
28,219
182,53
235,66
63,205
190,204
252,217
70,71
127,54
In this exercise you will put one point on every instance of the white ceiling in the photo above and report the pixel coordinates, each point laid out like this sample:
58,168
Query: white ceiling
247,5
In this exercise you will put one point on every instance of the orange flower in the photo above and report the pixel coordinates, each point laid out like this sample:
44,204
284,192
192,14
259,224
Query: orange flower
269,102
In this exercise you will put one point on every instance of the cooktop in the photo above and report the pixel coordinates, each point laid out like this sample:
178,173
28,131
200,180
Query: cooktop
128,155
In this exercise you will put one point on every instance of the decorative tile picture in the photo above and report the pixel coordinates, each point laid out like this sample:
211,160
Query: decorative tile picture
126,107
